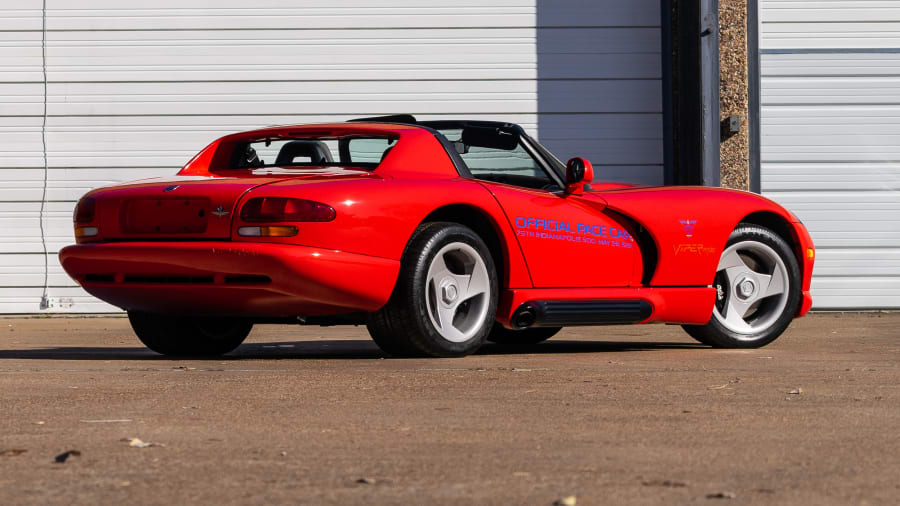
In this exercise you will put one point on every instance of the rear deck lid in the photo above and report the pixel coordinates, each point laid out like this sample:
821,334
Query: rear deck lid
173,208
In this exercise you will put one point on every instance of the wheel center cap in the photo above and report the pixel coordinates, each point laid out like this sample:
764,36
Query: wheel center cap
449,291
746,288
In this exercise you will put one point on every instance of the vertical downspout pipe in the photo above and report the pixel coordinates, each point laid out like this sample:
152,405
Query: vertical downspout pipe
754,89
709,92
667,92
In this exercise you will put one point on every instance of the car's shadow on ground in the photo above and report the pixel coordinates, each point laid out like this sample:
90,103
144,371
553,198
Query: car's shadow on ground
330,350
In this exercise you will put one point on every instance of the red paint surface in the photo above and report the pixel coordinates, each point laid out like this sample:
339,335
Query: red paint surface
689,305
304,280
351,263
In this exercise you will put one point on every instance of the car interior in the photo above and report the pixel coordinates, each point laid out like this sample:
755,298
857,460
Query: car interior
358,152
489,151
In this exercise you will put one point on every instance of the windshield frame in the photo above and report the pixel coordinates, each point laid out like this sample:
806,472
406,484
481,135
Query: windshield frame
550,159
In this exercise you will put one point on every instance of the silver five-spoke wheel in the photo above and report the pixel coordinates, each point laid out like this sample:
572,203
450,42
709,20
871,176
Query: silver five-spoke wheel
457,285
445,298
751,286
757,286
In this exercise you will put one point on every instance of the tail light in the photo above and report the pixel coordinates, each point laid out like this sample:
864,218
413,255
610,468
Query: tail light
269,209
84,211
84,214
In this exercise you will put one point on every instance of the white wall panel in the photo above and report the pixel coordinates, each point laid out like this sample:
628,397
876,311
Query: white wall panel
849,90
843,35
874,292
866,219
332,14
803,63
22,218
831,139
829,11
599,86
64,300
835,176
838,262
134,90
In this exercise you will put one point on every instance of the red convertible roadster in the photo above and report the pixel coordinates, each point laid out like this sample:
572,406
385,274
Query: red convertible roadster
437,235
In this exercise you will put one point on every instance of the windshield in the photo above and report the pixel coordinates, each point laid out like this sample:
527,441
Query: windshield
360,152
557,165
500,154
482,160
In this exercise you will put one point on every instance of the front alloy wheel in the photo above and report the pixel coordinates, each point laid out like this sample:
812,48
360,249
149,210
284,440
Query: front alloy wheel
756,294
757,291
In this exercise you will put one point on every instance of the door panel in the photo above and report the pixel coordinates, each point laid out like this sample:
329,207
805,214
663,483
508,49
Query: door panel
567,241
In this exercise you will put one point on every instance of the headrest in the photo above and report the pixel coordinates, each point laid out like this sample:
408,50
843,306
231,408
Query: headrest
317,152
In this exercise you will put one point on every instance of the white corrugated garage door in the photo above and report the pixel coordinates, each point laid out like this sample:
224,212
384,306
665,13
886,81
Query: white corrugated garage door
135,90
831,139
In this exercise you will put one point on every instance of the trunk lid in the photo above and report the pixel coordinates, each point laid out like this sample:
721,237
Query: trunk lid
178,207
190,207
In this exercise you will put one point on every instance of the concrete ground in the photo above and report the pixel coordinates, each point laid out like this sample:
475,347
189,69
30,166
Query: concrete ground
614,415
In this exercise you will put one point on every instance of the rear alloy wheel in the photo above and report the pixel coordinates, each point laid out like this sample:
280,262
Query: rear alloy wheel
446,295
758,291
180,336
502,335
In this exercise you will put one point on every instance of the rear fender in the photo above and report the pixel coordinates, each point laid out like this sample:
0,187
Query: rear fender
377,217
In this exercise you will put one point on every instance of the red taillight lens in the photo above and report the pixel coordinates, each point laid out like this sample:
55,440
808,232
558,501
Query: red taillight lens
84,211
265,209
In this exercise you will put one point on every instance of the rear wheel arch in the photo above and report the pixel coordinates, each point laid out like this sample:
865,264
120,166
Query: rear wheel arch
483,225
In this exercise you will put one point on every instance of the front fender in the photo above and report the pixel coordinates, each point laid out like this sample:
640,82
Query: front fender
690,225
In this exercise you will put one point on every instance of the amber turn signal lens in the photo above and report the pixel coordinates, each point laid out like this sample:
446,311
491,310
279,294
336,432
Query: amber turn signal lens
810,253
86,231
268,231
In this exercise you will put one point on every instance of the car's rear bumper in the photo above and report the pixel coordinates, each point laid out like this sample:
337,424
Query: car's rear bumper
233,278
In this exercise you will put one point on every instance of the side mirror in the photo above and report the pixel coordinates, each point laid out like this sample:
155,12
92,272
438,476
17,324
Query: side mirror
579,172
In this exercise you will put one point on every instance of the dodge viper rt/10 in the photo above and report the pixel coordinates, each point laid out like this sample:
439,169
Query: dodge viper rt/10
437,235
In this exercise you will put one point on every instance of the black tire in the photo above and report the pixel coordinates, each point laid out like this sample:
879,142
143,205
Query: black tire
502,335
180,336
383,333
715,333
404,327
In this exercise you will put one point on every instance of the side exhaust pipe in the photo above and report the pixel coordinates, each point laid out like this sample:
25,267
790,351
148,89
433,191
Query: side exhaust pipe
568,313
525,316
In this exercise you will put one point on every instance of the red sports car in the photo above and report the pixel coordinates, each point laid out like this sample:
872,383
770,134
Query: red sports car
437,235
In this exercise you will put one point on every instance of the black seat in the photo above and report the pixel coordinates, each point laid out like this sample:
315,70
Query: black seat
317,152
